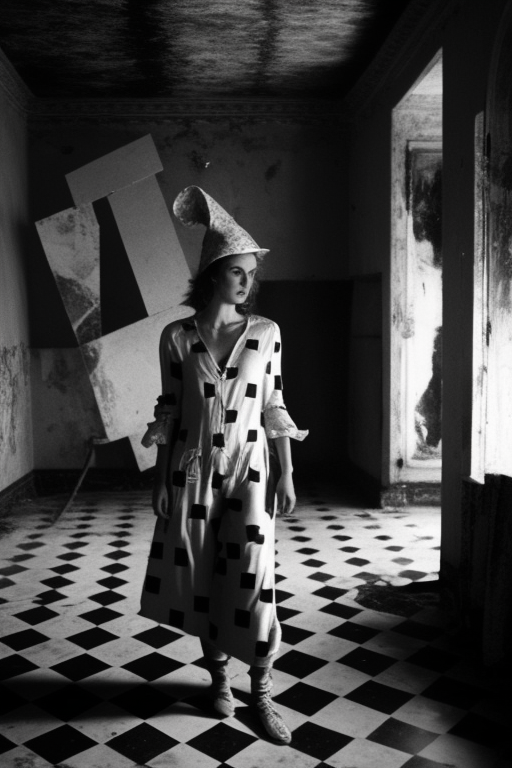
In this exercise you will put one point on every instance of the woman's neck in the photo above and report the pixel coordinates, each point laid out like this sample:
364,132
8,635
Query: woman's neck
218,315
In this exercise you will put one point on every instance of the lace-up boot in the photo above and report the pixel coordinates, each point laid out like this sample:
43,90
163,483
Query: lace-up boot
220,691
261,700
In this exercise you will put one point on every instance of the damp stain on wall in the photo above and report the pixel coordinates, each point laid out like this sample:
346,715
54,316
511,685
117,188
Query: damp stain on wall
14,381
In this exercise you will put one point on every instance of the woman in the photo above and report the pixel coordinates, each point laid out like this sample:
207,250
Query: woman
211,565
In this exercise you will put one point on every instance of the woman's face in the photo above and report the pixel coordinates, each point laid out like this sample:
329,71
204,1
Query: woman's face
234,278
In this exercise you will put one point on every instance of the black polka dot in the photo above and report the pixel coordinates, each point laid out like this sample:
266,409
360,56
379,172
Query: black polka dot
180,556
242,618
247,580
233,551
278,384
218,440
231,373
176,618
209,389
251,390
183,435
235,504
217,480
262,419
266,595
269,367
213,631
253,534
198,346
179,478
187,326
262,648
277,346
252,344
157,550
252,435
168,399
222,566
254,475
152,585
201,604
176,371
231,416
198,512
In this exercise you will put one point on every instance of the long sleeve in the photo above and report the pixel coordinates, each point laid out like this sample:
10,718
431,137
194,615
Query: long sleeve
168,406
278,422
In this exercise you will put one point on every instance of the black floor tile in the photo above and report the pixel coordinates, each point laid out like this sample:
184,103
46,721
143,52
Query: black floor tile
359,561
117,555
27,638
36,615
312,563
66,568
481,730
157,637
420,631
55,582
6,745
111,582
434,659
143,701
152,666
115,568
298,664
281,595
307,551
142,743
60,744
317,741
293,635
80,667
357,633
14,665
285,613
70,556
221,742
402,736
305,698
68,702
383,698
92,638
338,609
321,576
12,570
100,615
369,662
423,762
331,593
51,596
10,700
107,598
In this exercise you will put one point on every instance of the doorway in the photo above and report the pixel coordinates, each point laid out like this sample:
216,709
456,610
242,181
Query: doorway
412,450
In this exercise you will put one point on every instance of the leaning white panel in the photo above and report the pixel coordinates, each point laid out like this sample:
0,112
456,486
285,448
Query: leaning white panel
124,369
118,169
151,243
71,242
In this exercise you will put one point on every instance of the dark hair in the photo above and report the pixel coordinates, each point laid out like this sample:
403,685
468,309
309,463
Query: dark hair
202,288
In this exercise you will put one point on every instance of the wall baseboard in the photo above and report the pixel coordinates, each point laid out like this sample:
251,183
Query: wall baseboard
411,495
23,488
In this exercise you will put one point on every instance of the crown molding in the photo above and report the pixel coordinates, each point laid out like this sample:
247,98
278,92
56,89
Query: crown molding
420,20
18,94
175,110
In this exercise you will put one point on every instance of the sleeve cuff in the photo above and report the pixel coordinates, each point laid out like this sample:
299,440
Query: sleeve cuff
158,431
278,423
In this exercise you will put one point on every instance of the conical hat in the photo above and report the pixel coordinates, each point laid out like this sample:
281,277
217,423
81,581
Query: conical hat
223,237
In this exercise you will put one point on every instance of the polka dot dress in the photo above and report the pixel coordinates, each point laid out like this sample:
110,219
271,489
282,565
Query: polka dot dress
211,566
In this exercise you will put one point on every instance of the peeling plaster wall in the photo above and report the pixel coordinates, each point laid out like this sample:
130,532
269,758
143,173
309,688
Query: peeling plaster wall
16,458
283,182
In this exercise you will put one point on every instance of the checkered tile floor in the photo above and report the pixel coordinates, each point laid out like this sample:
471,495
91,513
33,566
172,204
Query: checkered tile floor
87,683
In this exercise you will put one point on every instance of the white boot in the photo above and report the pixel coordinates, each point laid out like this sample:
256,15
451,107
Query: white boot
220,691
261,700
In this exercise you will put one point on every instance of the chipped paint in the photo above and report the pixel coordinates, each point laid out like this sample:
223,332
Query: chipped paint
14,384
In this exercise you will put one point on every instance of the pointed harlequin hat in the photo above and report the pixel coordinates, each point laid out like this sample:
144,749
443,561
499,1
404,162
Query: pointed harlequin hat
223,237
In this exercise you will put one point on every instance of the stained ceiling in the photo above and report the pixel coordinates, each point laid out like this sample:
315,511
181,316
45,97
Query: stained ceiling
193,48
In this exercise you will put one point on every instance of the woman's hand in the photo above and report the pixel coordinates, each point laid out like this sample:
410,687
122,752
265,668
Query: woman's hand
285,494
160,500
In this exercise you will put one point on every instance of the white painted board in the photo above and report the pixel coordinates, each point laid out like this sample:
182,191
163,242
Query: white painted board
118,169
151,243
124,369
